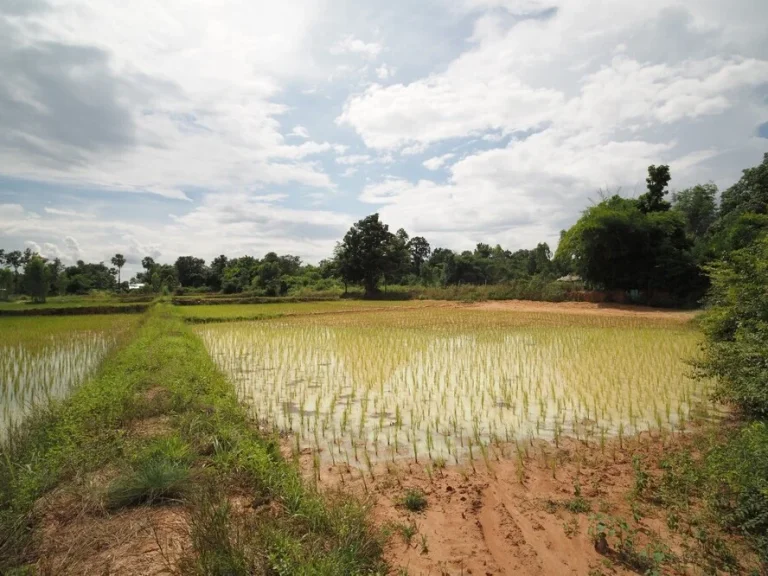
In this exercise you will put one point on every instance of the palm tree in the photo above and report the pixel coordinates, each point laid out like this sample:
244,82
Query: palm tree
118,261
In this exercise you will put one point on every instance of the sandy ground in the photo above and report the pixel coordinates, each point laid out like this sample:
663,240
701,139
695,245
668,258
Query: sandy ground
499,520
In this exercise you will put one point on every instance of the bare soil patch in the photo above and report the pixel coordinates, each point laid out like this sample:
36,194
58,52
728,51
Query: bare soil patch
501,520
151,427
77,536
146,541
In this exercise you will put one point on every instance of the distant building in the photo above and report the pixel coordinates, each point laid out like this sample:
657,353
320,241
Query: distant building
136,286
570,278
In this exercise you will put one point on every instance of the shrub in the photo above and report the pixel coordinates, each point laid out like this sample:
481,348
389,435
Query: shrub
737,490
736,325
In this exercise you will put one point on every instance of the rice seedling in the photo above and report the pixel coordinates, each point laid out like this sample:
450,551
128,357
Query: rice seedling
43,358
432,384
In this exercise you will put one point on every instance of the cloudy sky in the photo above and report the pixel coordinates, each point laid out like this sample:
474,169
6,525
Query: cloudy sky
203,127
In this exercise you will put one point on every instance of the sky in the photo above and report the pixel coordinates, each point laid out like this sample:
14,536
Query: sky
178,127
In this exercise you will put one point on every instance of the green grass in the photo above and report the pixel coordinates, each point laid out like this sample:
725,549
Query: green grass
211,449
725,486
414,500
159,473
67,302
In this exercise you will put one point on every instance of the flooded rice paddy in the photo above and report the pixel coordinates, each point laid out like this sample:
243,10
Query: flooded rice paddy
454,383
44,358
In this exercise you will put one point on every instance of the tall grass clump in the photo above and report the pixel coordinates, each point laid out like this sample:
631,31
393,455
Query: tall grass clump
159,473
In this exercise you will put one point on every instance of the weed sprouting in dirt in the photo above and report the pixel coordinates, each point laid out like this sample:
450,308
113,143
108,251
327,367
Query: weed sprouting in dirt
414,500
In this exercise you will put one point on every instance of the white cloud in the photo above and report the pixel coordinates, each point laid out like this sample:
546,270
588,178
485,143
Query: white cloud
349,44
299,132
385,72
188,95
514,196
512,78
61,212
437,162
354,159
444,107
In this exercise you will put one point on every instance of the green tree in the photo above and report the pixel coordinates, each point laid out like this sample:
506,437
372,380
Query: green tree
698,205
420,251
13,259
26,256
118,261
366,253
54,270
216,272
36,278
6,283
191,271
398,265
540,259
616,246
743,214
749,194
657,181
736,325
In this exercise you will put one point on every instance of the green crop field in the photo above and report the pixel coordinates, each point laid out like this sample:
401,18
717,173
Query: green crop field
226,312
44,357
455,383
67,302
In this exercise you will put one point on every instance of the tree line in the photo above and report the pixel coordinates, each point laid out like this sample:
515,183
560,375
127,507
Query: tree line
647,244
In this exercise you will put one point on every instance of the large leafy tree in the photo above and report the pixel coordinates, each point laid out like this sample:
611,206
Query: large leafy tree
617,244
749,194
88,276
216,271
6,283
191,271
657,182
743,214
54,270
698,205
36,278
367,252
420,251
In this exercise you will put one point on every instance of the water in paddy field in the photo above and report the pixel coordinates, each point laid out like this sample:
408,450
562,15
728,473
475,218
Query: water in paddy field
32,375
362,392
